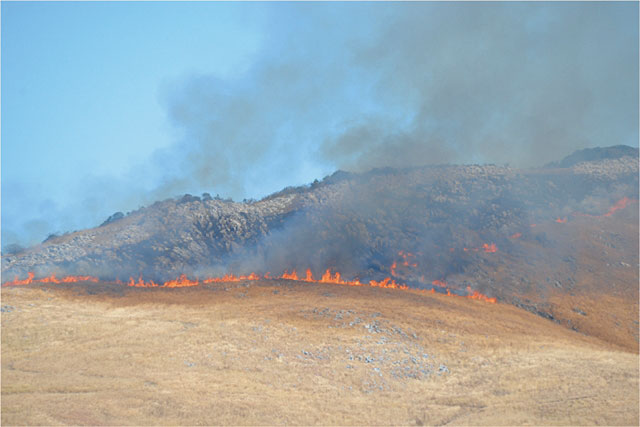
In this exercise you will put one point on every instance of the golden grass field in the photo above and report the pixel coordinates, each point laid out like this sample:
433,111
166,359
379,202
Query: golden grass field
295,353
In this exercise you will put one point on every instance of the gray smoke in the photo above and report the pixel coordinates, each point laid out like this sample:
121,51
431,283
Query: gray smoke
519,83
370,85
362,85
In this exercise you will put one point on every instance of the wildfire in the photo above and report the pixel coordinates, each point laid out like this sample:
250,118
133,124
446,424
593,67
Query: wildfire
17,282
292,276
141,283
228,278
336,279
49,279
477,295
440,283
180,282
184,281
406,262
406,256
489,248
387,283
620,204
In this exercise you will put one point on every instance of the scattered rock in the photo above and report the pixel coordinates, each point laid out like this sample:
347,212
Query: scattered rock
579,311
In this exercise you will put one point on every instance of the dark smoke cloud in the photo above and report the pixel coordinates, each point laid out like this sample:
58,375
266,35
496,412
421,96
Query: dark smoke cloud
370,85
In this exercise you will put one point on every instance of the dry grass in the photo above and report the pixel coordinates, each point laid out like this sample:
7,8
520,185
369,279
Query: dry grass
295,353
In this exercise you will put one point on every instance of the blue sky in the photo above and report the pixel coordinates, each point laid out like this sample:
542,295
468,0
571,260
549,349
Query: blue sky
82,87
110,106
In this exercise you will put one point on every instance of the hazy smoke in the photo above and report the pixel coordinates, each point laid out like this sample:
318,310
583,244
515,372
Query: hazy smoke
410,84
361,85
519,83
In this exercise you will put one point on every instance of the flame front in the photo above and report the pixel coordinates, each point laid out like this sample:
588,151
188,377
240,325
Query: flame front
50,279
183,281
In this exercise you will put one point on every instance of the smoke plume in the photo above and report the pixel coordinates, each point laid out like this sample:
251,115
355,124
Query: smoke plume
362,86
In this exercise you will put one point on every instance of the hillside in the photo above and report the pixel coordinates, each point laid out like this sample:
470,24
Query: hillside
281,352
561,243
595,154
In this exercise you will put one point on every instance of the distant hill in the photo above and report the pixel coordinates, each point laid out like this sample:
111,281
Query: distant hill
594,154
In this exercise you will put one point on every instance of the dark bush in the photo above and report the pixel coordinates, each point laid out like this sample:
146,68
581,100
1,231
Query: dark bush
116,216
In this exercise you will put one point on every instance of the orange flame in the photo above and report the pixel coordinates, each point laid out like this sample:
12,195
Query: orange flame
490,248
406,256
387,283
561,220
477,295
183,281
180,282
327,277
141,283
230,278
620,204
290,276
309,276
50,279
405,259
440,283
17,282
516,235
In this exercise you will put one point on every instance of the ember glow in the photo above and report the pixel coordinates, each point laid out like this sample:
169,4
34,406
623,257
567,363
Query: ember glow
408,261
489,248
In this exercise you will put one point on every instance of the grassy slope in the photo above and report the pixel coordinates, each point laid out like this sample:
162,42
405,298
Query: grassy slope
295,353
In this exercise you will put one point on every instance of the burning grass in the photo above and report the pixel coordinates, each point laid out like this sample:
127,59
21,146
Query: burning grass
327,278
